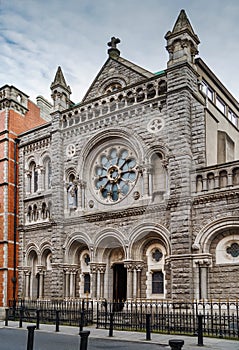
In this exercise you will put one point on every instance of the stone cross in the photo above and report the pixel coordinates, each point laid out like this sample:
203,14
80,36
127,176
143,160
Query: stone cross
114,41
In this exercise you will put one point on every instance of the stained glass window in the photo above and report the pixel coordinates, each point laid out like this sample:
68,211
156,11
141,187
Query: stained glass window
115,174
233,250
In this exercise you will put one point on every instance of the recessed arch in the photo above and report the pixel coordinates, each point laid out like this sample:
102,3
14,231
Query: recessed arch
206,235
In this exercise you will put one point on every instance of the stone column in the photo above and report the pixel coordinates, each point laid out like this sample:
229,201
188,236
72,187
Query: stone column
138,266
41,283
27,280
72,283
67,283
203,265
102,268
94,272
146,182
82,194
130,269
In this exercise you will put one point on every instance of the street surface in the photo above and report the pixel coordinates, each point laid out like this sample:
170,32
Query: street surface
16,339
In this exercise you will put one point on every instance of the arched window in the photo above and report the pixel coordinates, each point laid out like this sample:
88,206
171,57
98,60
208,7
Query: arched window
35,212
210,181
29,213
150,91
140,96
235,176
199,183
222,179
47,173
158,176
43,211
33,177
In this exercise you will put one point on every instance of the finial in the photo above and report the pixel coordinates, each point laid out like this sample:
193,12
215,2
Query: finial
113,51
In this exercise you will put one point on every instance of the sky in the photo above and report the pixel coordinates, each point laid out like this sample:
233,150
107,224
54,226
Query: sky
37,36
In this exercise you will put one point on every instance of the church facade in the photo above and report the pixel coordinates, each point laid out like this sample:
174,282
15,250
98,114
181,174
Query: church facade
133,192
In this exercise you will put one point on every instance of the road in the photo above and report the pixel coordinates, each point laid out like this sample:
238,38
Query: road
16,339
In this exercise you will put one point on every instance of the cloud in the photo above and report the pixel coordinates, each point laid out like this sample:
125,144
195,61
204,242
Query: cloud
37,36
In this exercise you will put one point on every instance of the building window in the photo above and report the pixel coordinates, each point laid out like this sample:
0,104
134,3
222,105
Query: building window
220,105
87,283
33,177
48,172
157,255
233,250
157,282
207,90
232,117
115,174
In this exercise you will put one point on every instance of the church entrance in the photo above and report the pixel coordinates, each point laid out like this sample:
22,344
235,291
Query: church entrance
119,285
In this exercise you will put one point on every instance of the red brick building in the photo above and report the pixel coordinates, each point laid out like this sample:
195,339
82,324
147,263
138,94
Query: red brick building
17,114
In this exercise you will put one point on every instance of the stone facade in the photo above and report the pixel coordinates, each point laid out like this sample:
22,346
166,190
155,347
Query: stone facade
133,192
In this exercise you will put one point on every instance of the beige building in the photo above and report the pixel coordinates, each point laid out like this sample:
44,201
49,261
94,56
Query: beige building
133,192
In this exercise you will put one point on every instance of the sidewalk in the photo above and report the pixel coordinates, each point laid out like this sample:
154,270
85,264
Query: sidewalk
190,343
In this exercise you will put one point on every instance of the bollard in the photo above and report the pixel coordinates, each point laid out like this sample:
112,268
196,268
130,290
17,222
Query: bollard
176,344
38,319
57,320
6,316
30,338
148,326
81,325
200,330
84,339
21,317
111,324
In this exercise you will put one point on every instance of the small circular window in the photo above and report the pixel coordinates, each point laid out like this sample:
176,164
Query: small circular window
115,173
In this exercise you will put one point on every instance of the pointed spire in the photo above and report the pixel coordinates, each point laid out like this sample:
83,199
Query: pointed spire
182,23
182,42
60,91
59,80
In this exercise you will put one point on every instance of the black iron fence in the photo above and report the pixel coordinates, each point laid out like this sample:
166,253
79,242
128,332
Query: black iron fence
70,312
220,319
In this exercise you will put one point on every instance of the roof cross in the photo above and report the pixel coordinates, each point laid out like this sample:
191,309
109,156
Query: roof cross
113,42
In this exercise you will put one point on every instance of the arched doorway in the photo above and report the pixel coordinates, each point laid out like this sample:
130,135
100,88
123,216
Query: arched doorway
119,282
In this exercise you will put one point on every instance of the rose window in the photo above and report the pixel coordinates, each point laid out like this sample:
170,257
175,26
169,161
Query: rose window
115,174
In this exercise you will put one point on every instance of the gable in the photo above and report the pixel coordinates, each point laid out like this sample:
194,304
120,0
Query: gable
115,75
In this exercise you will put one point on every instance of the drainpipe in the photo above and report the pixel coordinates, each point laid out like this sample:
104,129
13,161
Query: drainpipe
14,278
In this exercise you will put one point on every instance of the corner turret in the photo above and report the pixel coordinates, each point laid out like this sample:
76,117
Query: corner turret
182,42
60,92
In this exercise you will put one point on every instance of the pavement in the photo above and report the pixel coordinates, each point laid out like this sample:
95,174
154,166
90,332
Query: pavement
190,343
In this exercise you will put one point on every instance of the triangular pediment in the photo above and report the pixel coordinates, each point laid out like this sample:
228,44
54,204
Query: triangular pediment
115,74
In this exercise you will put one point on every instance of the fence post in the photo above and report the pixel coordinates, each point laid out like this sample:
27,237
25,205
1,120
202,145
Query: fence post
111,324
21,317
200,330
30,338
38,319
82,315
57,320
6,316
84,339
148,326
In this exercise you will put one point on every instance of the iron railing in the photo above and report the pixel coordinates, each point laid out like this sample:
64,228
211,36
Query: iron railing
220,319
69,311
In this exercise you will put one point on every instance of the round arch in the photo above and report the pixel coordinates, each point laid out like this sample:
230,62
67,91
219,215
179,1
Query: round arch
151,231
72,243
207,233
